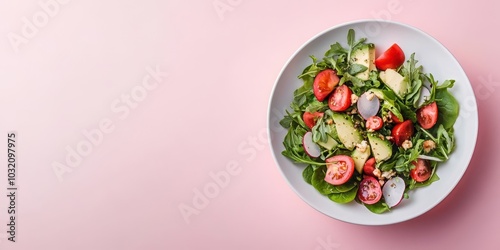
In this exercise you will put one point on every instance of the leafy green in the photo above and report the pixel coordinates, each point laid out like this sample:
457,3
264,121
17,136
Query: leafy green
344,197
448,108
321,131
378,208
433,178
356,68
294,149
415,79
336,49
325,188
307,174
339,58
353,44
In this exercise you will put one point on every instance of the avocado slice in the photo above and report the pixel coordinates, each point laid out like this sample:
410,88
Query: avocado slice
382,149
347,133
360,157
377,92
364,55
329,144
395,81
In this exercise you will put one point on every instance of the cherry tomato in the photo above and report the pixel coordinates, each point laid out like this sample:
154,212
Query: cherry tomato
374,123
369,191
324,82
392,58
369,166
340,100
394,118
402,132
422,170
311,118
339,169
427,115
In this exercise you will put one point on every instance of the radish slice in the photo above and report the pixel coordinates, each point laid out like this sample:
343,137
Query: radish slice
312,149
368,105
393,191
430,158
424,96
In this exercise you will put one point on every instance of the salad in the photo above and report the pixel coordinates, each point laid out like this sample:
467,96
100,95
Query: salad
369,129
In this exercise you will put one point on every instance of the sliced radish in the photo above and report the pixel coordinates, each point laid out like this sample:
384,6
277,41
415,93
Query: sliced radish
393,191
424,96
430,158
368,105
312,149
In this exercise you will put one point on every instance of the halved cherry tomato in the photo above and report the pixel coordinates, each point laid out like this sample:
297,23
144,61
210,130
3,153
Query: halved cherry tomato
339,169
311,118
324,83
369,191
394,118
422,170
340,99
374,123
402,132
369,166
427,115
392,58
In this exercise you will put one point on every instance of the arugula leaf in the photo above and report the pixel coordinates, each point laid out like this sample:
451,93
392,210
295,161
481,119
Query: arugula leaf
445,141
335,50
350,37
316,106
311,70
354,80
286,122
414,77
321,131
407,112
353,44
356,68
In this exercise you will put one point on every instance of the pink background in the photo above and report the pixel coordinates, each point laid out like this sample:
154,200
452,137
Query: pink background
208,114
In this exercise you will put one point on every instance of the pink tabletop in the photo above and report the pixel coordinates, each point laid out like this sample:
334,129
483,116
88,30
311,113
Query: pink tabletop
142,125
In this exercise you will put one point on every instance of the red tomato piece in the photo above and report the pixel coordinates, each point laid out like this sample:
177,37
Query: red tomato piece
311,118
369,166
427,115
394,118
422,170
369,191
402,132
340,100
392,58
339,169
324,83
374,123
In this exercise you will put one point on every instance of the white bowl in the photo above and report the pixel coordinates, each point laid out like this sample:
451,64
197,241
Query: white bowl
436,59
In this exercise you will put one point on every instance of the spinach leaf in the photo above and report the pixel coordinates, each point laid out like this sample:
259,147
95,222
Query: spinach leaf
448,108
378,208
325,188
344,197
307,174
